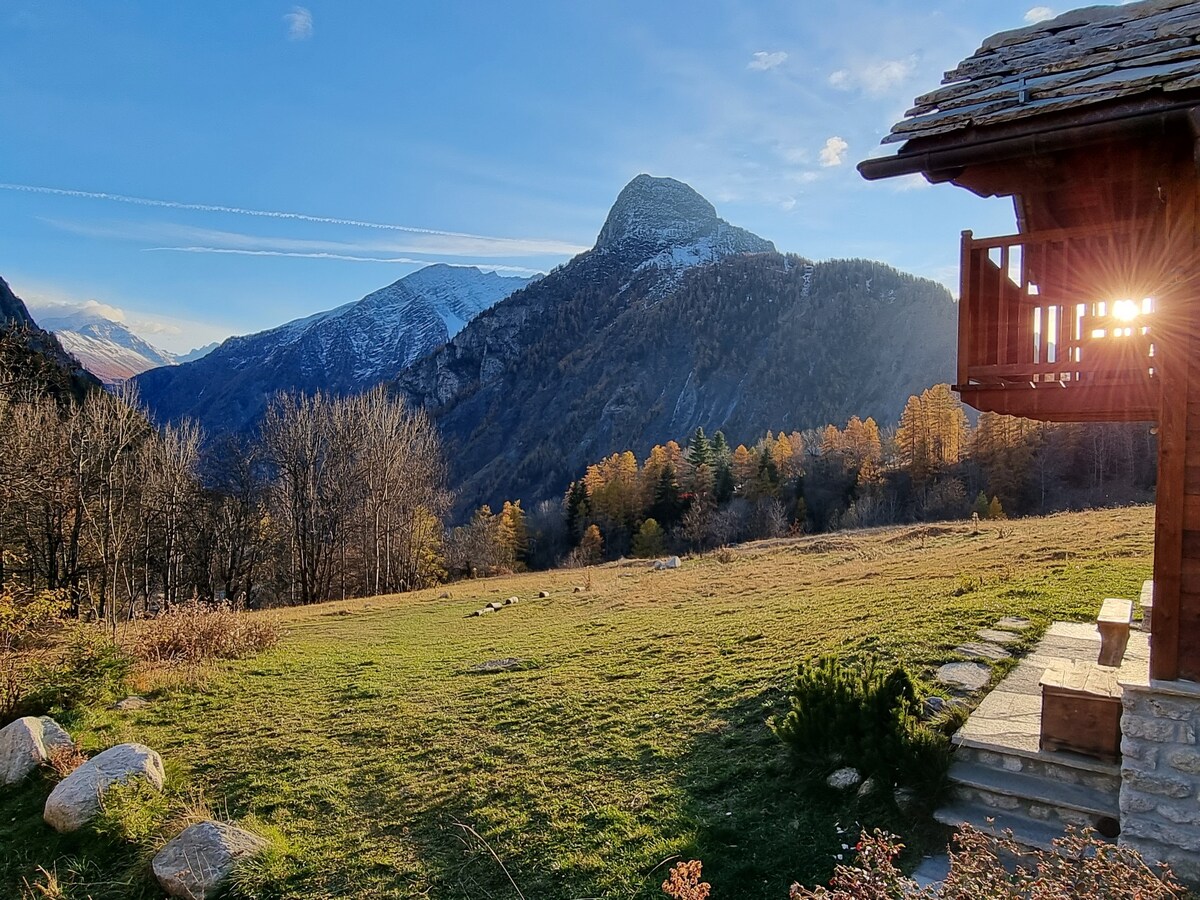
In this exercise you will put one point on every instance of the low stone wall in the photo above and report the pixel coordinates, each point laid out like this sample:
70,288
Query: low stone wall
1160,774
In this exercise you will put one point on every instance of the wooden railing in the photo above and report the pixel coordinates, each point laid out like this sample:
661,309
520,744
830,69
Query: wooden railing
1058,324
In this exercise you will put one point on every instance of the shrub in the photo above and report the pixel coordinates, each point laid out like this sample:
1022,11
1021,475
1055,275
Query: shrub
994,866
683,882
861,715
196,632
89,669
27,620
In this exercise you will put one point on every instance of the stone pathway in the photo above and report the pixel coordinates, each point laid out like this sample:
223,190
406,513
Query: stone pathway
974,676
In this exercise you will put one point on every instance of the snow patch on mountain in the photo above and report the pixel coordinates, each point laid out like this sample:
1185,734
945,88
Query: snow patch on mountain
107,349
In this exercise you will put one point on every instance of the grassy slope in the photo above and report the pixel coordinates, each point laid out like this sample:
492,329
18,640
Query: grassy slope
640,735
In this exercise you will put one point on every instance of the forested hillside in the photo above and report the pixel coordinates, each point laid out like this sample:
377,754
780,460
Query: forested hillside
32,360
674,320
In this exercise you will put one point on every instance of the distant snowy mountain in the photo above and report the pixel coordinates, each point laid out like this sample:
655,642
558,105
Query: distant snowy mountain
198,353
107,349
349,348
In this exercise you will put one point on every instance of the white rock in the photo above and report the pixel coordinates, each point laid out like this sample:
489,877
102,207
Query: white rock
76,799
131,703
673,562
194,864
844,779
26,744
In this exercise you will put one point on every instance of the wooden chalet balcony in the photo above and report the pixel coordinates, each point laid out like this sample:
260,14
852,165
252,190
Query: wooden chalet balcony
1056,325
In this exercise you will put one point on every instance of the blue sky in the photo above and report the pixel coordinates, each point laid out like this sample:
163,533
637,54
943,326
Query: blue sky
484,133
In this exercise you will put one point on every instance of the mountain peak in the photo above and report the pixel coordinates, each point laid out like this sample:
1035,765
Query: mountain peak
653,214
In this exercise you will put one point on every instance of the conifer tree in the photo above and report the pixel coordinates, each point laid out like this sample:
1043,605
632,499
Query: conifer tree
667,506
700,451
577,510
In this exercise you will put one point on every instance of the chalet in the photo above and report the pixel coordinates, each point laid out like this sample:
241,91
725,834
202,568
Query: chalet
1090,122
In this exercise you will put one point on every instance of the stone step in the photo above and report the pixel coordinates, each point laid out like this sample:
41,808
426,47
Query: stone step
1026,831
1058,766
1034,795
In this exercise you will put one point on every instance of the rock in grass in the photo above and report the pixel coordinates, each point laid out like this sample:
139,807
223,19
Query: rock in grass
76,799
131,703
27,743
982,650
1013,623
844,779
511,664
194,864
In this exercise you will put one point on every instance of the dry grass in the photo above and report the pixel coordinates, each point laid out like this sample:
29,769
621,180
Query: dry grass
193,633
65,760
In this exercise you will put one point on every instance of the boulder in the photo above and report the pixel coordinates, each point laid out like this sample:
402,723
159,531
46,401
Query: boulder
27,743
76,799
195,863
844,779
867,788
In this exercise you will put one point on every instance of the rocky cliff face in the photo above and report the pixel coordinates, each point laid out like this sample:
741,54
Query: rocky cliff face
675,319
32,357
347,349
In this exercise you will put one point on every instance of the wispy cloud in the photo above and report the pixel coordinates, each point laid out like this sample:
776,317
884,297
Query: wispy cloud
299,24
762,60
834,152
876,78
400,260
517,246
174,235
1039,14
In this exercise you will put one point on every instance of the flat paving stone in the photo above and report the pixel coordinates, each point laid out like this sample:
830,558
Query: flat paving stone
996,636
978,650
1013,623
970,676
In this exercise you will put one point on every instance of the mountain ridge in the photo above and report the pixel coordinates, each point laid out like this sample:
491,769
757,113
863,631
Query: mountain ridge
347,348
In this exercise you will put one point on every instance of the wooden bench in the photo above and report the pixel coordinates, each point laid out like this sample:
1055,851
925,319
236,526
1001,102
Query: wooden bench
1081,710
1146,602
1116,616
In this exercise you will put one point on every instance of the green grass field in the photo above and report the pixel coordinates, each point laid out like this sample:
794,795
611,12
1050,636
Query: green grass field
636,734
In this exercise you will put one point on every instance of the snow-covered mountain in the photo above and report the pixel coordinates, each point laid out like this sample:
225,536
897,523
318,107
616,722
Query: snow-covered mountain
349,348
198,353
107,349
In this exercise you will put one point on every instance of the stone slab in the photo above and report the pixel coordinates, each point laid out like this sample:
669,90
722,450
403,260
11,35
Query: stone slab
1013,623
996,636
979,650
969,676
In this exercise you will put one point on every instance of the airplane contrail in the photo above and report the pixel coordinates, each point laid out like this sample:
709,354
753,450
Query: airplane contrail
550,246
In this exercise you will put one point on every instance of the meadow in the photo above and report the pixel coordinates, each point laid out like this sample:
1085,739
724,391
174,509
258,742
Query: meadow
632,729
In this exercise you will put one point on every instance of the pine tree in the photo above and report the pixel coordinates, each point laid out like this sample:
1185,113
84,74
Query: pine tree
723,486
668,505
700,451
720,448
577,510
648,541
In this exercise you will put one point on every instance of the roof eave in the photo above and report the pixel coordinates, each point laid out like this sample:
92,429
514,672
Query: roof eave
940,158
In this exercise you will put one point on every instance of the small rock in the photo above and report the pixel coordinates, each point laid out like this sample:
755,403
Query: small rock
844,778
444,595
905,799
499,665
977,650
867,788
27,743
934,706
1013,623
543,595
577,590
195,863
967,676
131,703
77,798
673,562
